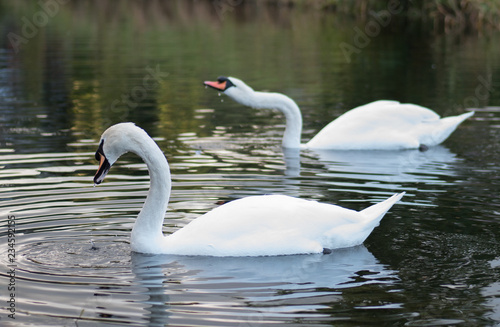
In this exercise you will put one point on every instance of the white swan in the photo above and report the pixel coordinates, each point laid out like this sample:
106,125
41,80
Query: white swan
380,125
252,226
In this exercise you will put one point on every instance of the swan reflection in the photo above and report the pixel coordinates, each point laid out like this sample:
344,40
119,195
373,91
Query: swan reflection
407,166
175,284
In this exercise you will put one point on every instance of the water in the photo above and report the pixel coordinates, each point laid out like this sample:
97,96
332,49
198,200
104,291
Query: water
434,260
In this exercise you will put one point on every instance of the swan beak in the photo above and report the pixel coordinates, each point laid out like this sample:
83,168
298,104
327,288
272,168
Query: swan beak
221,86
103,169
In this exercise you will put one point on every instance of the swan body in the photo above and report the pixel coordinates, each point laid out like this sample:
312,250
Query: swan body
379,125
253,226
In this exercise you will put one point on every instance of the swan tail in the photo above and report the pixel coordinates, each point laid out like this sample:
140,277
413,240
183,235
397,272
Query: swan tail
447,126
355,234
375,212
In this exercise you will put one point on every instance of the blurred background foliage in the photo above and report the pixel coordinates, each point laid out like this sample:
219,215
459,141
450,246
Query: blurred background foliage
436,16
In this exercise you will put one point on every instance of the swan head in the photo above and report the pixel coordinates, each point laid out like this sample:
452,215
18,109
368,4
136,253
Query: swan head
234,88
116,141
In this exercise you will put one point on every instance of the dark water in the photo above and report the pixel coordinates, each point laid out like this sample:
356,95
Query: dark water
434,260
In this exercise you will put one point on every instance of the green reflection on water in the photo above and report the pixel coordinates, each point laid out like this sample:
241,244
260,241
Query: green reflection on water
92,63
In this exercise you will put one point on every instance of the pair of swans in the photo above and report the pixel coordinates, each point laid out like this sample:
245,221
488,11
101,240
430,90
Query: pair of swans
271,224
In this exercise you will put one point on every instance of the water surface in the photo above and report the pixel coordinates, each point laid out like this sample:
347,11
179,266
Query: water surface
434,260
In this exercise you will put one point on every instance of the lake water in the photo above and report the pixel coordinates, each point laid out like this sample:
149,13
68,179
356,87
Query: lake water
434,259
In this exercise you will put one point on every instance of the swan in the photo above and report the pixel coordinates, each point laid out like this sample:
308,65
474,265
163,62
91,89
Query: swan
379,125
261,225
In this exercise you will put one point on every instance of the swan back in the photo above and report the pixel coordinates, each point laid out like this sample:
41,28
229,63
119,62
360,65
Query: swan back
276,225
386,125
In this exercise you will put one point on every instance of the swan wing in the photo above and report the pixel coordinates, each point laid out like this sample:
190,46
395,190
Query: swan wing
387,125
271,225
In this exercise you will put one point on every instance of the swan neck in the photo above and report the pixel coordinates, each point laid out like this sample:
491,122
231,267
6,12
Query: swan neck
293,116
147,230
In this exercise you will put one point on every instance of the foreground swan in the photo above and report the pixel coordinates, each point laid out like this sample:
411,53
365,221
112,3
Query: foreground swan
380,125
252,226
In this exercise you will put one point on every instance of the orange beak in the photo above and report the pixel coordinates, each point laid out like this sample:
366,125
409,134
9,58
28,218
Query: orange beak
221,86
104,165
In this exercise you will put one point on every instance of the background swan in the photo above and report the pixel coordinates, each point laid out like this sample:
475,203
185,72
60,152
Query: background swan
252,226
380,125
